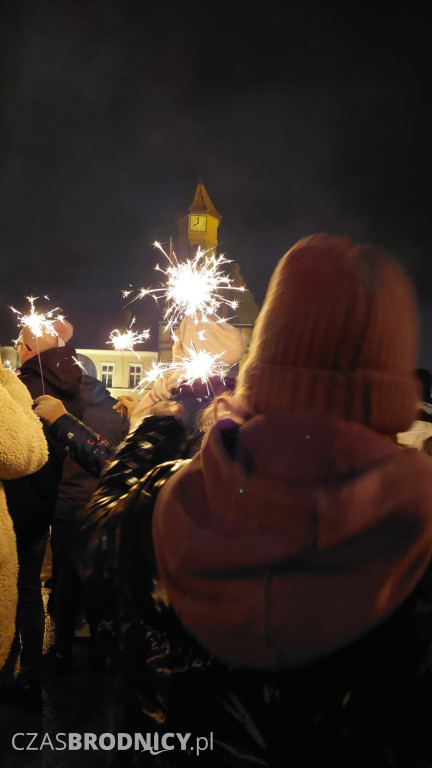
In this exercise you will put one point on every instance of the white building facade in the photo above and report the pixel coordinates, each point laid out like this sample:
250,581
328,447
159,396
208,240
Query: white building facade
121,371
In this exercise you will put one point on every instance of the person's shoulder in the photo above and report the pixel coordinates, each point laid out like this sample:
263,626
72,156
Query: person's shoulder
12,386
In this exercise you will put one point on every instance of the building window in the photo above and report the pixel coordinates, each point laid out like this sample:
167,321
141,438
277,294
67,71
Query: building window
134,376
107,374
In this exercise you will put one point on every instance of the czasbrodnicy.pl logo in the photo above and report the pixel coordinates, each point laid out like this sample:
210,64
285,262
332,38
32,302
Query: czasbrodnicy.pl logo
154,743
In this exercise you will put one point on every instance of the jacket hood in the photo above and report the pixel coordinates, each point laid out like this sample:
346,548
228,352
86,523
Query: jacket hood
303,535
94,391
59,369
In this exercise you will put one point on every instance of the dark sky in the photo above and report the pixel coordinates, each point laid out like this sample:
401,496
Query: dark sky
297,117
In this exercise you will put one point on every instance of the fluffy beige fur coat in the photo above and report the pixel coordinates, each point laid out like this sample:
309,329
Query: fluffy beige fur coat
23,450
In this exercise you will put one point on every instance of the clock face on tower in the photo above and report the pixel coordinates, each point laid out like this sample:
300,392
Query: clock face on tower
197,223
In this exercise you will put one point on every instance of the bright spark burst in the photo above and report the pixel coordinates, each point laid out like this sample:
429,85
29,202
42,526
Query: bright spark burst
38,323
79,364
193,288
122,340
200,365
152,374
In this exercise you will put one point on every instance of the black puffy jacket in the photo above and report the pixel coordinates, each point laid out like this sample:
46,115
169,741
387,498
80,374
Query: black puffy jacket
79,479
31,500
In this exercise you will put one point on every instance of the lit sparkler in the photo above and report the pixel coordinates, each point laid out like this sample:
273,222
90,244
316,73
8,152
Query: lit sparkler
125,340
79,364
39,323
193,288
200,365
153,373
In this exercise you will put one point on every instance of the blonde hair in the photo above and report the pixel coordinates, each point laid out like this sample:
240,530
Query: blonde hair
226,406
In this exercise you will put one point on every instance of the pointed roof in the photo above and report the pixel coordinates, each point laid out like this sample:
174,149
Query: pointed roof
202,203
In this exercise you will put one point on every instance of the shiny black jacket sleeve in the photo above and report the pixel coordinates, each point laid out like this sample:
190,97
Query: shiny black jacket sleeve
86,447
157,440
115,557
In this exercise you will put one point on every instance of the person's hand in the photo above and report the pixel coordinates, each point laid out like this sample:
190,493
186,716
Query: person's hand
125,406
49,408
165,408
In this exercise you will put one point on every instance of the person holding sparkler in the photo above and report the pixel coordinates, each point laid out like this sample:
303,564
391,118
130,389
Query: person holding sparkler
206,346
203,354
92,445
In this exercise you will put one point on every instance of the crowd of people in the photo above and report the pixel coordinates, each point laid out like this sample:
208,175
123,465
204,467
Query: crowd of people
254,557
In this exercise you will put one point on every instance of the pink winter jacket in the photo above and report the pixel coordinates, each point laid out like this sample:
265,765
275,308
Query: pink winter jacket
309,536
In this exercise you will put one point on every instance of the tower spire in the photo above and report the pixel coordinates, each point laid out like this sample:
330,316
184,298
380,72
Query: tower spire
202,203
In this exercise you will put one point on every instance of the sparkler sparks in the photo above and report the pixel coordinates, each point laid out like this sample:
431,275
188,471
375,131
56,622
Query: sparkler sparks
79,364
122,340
152,374
200,364
193,288
38,323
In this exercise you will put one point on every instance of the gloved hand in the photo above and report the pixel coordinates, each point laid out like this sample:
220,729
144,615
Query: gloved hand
125,406
166,408
49,408
135,410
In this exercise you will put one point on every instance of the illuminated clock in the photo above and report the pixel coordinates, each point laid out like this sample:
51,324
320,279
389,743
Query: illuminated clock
197,223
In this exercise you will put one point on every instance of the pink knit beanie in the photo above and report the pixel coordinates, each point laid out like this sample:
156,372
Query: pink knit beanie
63,331
337,333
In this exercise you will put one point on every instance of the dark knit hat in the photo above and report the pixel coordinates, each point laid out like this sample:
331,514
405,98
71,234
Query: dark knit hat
337,333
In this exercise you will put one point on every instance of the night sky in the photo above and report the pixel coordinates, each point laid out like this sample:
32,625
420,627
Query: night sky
298,119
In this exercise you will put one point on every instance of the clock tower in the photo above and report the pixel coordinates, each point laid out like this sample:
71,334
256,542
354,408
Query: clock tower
199,227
